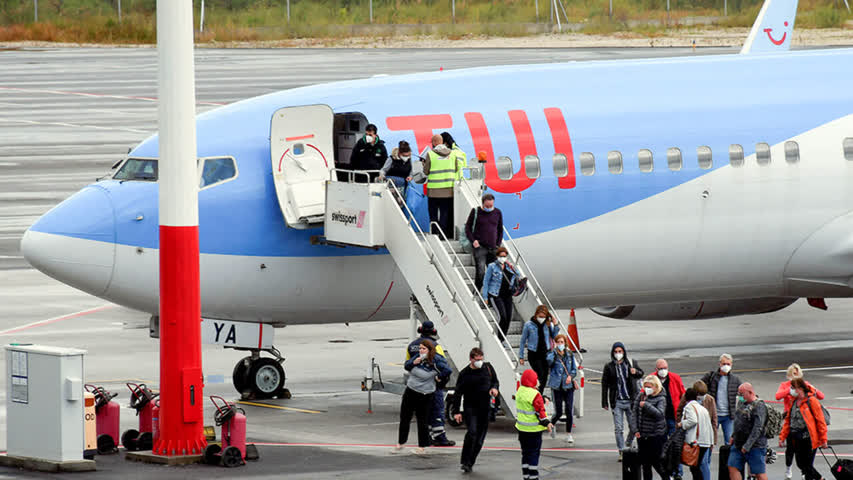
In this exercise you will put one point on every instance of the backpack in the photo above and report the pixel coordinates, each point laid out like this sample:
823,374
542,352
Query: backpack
774,421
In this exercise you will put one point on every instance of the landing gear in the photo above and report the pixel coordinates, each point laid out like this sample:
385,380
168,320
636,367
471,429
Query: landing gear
257,377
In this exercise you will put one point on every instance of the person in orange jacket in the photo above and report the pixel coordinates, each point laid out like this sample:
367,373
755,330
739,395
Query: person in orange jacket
805,427
784,394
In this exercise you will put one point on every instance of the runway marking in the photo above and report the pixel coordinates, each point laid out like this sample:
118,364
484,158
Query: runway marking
73,125
55,319
814,369
278,407
94,95
13,257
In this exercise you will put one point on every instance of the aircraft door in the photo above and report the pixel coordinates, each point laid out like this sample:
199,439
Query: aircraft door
301,150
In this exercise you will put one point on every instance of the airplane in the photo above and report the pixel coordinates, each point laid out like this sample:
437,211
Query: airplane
695,187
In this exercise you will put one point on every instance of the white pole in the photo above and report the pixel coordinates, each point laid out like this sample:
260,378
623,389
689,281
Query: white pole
611,8
36,8
201,18
288,11
118,2
371,10
453,10
667,12
536,2
725,8
559,25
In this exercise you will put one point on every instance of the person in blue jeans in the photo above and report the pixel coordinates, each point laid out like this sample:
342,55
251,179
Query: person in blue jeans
561,379
498,284
536,338
618,388
723,386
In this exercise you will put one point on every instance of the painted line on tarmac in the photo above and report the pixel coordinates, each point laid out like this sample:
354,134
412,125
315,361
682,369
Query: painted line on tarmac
279,407
814,369
55,319
95,95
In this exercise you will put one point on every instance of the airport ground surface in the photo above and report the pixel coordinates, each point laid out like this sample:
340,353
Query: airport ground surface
67,115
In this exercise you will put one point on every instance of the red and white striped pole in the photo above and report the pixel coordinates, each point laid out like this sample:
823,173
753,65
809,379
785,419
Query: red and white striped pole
181,383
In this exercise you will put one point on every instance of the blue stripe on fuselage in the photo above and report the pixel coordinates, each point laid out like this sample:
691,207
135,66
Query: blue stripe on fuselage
624,106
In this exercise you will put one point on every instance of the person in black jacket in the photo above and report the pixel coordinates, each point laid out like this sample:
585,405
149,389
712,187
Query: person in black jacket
478,384
369,153
398,167
618,387
722,385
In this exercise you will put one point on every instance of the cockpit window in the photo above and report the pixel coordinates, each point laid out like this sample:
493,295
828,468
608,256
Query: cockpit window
217,170
139,169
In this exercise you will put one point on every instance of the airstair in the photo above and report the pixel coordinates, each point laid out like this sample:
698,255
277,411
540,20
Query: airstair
438,271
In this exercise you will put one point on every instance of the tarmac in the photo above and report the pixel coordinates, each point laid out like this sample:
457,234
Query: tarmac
66,115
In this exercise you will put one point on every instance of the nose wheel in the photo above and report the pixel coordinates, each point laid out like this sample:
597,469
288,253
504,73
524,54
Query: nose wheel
257,377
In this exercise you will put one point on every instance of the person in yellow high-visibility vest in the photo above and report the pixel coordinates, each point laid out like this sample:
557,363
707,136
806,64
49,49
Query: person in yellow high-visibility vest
461,157
531,421
442,170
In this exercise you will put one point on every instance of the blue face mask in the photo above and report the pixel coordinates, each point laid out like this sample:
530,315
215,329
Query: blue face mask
488,209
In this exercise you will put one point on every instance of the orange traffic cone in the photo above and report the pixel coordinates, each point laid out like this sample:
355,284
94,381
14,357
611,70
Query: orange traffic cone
573,333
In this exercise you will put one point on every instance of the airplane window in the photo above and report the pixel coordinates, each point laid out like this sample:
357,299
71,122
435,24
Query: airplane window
561,165
848,148
646,160
792,152
614,162
706,158
504,166
587,163
762,153
217,170
139,169
531,166
736,155
673,159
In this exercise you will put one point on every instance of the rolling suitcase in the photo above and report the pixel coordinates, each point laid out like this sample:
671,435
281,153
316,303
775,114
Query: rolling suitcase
630,464
842,469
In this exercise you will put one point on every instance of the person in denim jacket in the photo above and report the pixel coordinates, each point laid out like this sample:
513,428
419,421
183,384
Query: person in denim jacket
561,380
498,284
536,338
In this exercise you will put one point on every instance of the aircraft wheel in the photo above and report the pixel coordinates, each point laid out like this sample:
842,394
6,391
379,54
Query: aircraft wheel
266,378
240,377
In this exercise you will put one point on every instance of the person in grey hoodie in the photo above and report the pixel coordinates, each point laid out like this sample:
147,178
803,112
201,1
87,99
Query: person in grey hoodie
648,423
425,370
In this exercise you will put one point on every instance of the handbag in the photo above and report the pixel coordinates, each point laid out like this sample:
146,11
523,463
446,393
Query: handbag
690,452
467,247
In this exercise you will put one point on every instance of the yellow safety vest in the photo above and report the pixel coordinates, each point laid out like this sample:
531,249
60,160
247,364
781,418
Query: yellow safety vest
442,170
526,419
461,160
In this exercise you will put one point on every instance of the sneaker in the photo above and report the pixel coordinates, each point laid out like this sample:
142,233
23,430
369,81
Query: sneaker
620,455
788,473
570,439
443,442
396,450
466,468
420,451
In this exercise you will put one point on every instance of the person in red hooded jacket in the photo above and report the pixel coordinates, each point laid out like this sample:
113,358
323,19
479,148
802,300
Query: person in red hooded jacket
531,421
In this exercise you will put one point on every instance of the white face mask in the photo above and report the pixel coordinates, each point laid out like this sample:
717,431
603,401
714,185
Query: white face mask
406,158
794,392
422,356
618,356
561,346
663,372
368,138
649,390
502,259
726,368
478,364
540,319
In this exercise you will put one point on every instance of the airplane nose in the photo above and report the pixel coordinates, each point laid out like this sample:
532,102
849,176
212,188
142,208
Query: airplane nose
75,241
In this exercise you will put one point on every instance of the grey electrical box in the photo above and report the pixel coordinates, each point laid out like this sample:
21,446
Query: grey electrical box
44,402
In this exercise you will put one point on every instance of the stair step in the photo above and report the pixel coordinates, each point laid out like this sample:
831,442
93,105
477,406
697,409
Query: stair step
453,246
472,270
467,259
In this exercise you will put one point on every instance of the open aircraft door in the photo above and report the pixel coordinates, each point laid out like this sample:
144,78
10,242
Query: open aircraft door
302,156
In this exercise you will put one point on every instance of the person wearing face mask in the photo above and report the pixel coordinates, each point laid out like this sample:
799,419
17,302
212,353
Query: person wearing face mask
805,427
437,429
648,422
442,171
531,421
425,370
618,388
710,405
398,167
787,395
369,154
498,284
562,382
673,389
723,385
536,338
478,385
696,422
749,445
485,230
